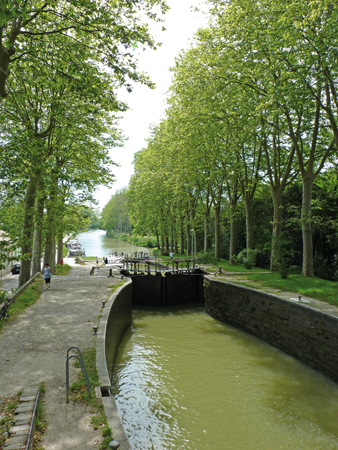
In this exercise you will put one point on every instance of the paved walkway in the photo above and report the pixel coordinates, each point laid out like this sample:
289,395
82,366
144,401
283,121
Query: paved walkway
33,350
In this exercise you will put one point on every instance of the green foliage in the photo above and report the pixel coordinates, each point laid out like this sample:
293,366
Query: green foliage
309,287
115,216
247,257
66,268
25,299
3,296
7,414
207,257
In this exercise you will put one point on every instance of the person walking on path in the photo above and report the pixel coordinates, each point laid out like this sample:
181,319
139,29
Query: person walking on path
97,261
47,275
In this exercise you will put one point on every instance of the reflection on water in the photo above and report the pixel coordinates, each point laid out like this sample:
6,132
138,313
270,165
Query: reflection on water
183,380
96,243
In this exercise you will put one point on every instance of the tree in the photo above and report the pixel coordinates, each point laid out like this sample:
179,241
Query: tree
107,30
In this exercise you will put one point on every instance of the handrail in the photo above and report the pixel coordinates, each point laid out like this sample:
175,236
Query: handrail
83,368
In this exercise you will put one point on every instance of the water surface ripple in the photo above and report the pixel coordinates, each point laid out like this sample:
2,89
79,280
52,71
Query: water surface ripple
183,380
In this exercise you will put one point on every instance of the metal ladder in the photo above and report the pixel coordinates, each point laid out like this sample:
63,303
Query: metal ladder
83,368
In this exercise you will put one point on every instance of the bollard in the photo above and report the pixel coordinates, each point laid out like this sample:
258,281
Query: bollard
103,303
300,298
95,330
114,444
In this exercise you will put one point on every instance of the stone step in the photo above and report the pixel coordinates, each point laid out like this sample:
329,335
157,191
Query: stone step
19,433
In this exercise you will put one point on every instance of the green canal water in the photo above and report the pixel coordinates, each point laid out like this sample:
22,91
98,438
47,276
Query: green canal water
183,380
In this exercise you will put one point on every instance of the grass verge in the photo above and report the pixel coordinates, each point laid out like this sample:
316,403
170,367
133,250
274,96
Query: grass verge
62,271
40,422
314,287
79,394
7,410
27,298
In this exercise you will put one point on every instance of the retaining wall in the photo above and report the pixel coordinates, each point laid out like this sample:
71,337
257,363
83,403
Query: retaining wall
300,330
116,317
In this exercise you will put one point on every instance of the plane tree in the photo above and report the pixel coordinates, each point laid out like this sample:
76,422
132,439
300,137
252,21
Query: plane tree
107,29
54,130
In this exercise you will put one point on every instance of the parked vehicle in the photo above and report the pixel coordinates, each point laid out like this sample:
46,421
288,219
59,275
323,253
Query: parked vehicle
15,269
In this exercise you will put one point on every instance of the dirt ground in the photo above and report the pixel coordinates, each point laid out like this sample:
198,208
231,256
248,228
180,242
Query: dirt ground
33,349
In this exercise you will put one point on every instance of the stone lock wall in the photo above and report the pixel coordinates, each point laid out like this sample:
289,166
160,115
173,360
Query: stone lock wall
306,333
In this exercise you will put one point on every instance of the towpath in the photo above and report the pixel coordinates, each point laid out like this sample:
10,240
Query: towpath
33,350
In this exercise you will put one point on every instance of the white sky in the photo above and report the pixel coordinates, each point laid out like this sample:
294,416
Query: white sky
148,105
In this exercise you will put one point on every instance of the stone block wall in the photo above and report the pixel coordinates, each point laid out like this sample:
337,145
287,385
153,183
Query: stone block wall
304,332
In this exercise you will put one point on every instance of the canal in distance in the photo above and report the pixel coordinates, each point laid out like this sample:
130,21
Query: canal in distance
96,243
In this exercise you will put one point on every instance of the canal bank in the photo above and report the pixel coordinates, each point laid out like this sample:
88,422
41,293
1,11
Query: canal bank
34,346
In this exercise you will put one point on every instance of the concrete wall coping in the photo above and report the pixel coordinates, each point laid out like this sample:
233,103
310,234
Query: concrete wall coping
109,404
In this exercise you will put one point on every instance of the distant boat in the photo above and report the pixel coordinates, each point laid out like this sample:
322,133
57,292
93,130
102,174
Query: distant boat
75,248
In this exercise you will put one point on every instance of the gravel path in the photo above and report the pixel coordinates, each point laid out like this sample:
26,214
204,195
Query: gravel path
33,350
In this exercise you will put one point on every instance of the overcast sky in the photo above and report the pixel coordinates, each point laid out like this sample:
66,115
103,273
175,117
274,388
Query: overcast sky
147,106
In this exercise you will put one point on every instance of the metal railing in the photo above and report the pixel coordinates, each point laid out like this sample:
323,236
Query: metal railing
83,368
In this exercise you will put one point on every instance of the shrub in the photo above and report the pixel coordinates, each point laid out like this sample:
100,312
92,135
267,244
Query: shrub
283,271
150,244
207,257
247,258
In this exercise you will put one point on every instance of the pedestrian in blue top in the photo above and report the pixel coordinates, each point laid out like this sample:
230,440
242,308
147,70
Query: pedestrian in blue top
47,275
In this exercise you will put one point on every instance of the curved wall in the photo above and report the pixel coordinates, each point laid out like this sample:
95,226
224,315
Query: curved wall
116,317
299,330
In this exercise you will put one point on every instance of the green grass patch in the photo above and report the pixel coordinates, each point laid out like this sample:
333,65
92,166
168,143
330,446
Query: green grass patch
79,393
7,411
89,258
27,298
237,267
116,286
309,287
66,268
40,420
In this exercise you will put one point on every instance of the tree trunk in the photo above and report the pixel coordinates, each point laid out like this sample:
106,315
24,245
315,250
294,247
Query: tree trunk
187,229
217,233
158,241
248,220
181,238
162,243
172,237
27,232
233,232
195,242
166,244
276,227
60,249
49,257
52,266
37,239
306,227
206,230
